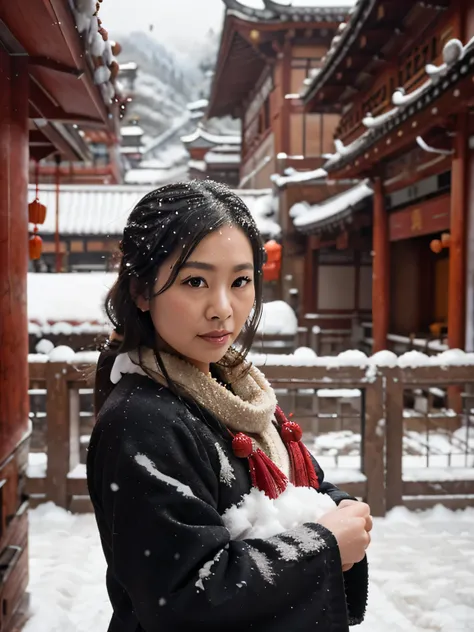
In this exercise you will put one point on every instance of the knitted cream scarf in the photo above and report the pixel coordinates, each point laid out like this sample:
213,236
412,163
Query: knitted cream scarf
249,408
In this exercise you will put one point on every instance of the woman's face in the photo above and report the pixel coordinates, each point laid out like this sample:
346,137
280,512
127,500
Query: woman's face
205,309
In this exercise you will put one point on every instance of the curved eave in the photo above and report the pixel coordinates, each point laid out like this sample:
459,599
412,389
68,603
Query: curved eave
62,84
348,36
238,69
342,219
382,141
278,13
350,65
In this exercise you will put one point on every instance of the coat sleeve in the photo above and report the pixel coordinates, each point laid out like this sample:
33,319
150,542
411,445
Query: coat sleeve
173,555
357,579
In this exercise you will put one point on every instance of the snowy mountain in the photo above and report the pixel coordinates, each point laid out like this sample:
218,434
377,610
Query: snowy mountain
164,84
167,81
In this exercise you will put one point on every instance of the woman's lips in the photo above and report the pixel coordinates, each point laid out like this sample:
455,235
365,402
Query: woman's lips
217,339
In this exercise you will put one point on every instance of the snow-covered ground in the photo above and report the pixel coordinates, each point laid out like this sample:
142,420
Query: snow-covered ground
422,573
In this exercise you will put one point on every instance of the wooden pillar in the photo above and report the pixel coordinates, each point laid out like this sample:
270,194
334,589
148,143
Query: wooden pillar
381,270
14,406
458,228
286,88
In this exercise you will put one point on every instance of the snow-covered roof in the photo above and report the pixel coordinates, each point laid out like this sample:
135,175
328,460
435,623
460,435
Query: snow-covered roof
103,210
225,158
98,45
305,215
78,298
201,104
275,10
294,176
131,130
155,176
201,134
458,63
198,165
70,298
129,65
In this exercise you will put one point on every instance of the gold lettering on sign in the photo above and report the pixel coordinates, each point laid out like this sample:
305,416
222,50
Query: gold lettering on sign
416,220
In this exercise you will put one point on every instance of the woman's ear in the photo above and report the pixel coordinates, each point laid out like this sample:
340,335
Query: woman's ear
141,301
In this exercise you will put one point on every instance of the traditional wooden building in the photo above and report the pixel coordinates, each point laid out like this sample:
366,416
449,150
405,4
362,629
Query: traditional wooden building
401,75
92,219
214,156
264,56
50,86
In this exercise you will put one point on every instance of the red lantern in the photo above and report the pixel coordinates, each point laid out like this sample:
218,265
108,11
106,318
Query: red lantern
35,246
36,212
436,246
446,240
271,269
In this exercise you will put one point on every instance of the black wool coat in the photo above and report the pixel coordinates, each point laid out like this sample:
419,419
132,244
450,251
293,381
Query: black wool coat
155,480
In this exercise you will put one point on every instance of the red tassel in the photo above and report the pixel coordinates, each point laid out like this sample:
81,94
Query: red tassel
264,473
266,476
303,473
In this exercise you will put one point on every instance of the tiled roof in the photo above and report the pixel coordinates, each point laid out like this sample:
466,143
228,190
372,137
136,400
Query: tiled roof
330,211
103,210
304,10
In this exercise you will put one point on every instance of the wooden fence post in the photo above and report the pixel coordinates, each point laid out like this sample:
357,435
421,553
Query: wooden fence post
394,437
373,465
58,433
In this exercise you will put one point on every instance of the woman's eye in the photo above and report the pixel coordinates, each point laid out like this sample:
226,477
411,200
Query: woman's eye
195,282
242,282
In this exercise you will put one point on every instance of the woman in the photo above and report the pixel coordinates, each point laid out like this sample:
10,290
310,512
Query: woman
190,453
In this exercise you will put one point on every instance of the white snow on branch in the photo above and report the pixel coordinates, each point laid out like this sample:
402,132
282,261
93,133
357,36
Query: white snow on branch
226,474
145,462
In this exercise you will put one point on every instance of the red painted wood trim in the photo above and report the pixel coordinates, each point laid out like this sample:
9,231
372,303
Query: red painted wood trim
424,218
457,251
14,404
381,270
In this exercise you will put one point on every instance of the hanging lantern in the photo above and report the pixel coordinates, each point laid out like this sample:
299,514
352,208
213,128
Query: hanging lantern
271,269
35,245
446,240
436,246
36,212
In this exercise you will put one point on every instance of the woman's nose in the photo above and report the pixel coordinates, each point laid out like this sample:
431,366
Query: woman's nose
220,306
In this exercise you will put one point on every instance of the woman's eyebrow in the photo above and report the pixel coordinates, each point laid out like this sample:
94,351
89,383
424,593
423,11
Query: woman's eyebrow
201,265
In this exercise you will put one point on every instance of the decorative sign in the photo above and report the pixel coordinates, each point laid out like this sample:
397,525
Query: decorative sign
425,218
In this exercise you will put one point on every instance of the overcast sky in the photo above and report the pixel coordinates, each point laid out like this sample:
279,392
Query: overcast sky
176,22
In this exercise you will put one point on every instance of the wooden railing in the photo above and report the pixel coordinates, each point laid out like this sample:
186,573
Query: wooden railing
382,409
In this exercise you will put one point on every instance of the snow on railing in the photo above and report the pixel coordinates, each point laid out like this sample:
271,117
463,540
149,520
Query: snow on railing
303,357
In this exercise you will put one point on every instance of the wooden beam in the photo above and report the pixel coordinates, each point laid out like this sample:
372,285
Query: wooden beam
51,64
457,250
43,106
381,270
14,402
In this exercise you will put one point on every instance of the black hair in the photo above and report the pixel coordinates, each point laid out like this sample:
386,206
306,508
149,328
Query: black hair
172,219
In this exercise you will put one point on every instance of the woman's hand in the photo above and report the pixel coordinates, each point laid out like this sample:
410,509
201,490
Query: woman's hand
348,525
347,503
